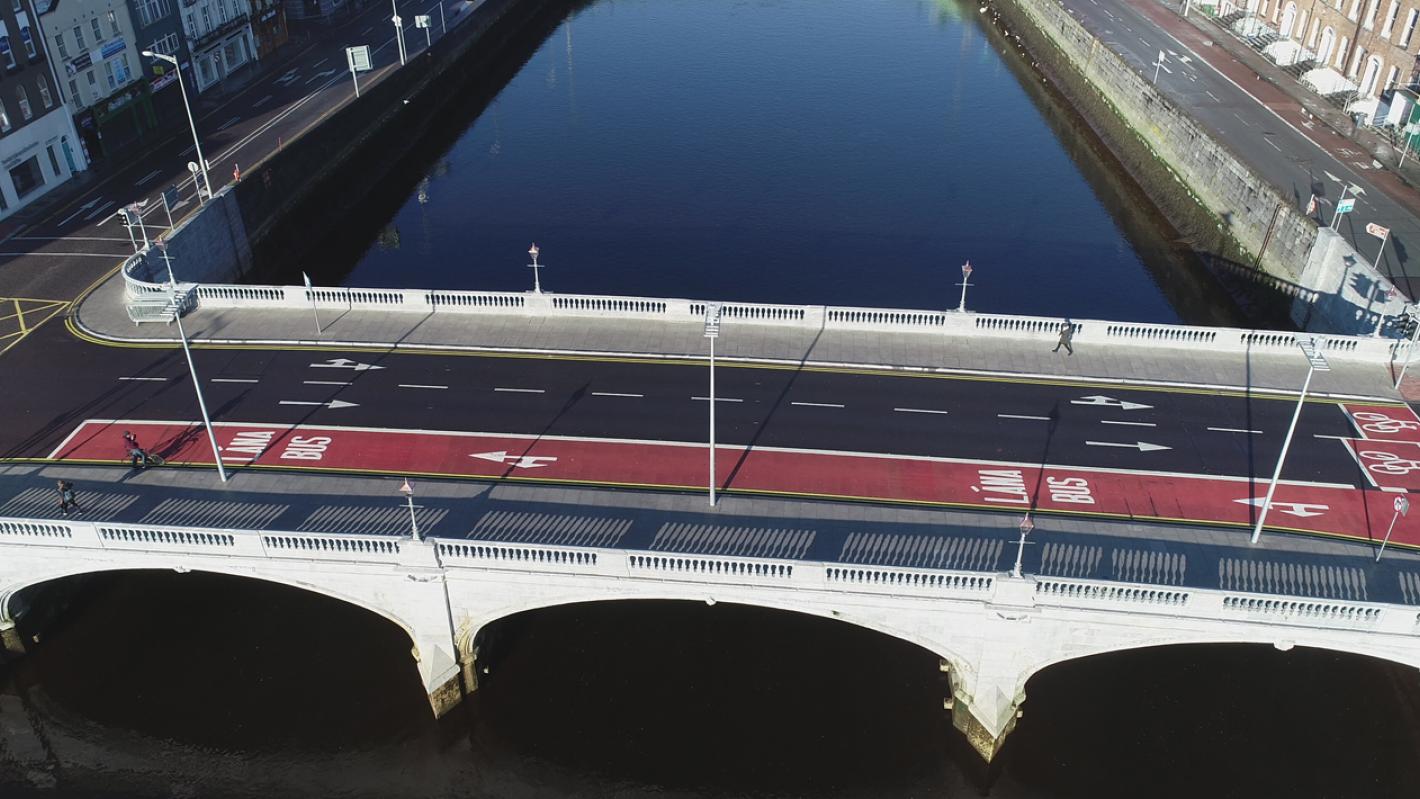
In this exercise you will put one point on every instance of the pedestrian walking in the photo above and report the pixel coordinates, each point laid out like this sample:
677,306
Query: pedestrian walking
67,499
1067,333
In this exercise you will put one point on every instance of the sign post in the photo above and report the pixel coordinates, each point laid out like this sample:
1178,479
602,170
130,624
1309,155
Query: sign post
359,60
422,21
1345,205
1402,508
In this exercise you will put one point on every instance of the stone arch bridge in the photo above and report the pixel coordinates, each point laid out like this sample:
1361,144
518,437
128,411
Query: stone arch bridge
992,630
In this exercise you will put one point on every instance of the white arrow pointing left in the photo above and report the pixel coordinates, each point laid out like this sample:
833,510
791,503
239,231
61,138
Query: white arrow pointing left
1111,402
1298,509
333,404
1142,446
345,363
516,461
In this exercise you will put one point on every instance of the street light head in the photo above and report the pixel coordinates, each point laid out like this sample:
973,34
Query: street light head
1027,525
406,489
533,251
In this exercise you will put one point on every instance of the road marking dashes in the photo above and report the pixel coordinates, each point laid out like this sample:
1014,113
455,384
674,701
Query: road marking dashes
1131,424
919,410
717,399
1235,430
416,385
233,380
817,404
616,394
1021,416
326,382
145,379
521,390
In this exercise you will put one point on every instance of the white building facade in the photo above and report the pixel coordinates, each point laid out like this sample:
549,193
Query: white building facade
39,146
219,38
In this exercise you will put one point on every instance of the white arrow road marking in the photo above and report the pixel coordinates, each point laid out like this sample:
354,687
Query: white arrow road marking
86,206
1299,509
517,461
1111,402
333,404
345,363
1142,446
102,209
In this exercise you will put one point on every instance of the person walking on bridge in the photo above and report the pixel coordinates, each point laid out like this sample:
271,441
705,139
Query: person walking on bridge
1067,333
66,497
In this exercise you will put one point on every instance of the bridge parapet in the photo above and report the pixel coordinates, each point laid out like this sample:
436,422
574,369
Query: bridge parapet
811,317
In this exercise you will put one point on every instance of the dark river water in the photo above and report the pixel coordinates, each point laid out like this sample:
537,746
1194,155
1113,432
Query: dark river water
809,151
166,685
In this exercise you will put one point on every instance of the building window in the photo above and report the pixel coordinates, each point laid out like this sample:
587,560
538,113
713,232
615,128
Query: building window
44,95
79,38
1355,9
24,96
53,160
74,94
222,15
1390,17
1390,78
1370,14
108,72
27,176
4,117
206,19
150,11
113,24
1409,29
26,37
98,31
90,75
59,45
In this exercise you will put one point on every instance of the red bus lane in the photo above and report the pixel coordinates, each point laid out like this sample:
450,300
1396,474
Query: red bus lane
1308,507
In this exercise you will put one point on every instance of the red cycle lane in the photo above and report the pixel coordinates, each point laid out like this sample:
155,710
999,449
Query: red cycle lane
1330,510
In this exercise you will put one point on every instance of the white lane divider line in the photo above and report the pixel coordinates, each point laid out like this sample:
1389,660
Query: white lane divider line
1235,430
521,390
147,177
617,394
1022,416
101,209
1334,438
233,380
229,123
326,382
817,404
1274,145
416,385
717,399
919,410
145,379
1131,424
1214,96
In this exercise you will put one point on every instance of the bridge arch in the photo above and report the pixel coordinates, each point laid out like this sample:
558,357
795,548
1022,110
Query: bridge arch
467,638
9,592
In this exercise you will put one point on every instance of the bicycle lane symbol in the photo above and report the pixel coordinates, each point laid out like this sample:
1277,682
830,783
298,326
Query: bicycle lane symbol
1384,422
1388,464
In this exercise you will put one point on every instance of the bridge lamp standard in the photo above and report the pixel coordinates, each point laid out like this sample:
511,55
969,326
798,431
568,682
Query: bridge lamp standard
191,367
535,266
197,145
712,332
1026,527
965,277
408,491
1316,362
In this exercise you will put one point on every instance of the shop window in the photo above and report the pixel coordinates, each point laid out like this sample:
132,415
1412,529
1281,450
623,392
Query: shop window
27,176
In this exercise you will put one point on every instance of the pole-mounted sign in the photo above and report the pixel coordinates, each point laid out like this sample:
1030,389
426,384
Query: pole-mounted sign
359,60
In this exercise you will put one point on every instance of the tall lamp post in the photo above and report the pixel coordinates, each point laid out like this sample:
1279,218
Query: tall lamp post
1316,362
1026,526
192,367
712,332
197,145
398,32
535,266
408,491
965,276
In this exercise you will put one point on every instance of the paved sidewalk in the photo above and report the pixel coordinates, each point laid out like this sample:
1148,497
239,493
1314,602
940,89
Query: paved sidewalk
102,314
738,527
